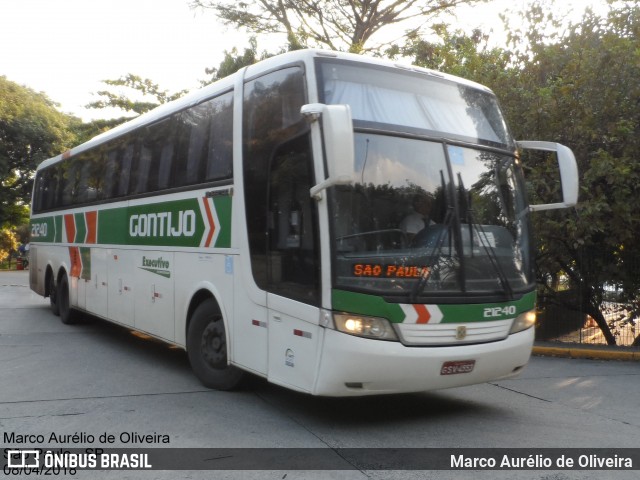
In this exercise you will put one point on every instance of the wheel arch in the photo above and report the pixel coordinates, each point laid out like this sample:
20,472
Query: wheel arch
201,294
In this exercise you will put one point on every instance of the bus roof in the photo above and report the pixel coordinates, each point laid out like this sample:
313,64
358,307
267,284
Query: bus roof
227,83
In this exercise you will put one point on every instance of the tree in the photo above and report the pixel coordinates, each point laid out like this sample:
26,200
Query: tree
150,93
8,243
31,130
458,53
583,91
577,86
233,61
333,24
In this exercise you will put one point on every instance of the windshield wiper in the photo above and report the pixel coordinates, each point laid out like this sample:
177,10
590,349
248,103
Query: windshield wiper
426,274
483,238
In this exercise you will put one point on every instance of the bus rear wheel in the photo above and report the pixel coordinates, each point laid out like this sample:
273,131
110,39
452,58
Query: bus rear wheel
68,315
53,296
207,349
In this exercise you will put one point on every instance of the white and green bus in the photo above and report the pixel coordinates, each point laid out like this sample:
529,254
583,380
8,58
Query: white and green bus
336,224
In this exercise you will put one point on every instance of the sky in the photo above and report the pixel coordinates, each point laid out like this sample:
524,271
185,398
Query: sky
65,48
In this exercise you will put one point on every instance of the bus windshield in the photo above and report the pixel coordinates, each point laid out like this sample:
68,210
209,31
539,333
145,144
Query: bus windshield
431,212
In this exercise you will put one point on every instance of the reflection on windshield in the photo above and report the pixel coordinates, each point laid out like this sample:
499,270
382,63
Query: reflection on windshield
426,218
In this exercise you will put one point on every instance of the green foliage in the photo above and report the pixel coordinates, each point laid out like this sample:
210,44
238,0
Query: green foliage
576,85
31,130
585,93
151,92
233,61
8,243
86,131
457,53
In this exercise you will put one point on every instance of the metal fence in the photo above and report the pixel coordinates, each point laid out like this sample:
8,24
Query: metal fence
561,324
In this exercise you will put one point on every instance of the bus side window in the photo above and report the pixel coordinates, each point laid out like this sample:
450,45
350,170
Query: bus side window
192,127
45,190
272,124
110,188
154,162
220,156
199,120
98,175
71,176
163,144
143,169
166,163
125,160
84,172
57,186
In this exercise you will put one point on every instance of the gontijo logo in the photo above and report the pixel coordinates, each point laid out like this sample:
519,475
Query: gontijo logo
163,224
190,222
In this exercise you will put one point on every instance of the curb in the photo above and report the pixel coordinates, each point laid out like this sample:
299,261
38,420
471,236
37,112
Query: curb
586,352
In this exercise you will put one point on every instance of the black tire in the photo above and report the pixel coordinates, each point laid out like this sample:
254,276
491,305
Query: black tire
53,297
68,315
207,349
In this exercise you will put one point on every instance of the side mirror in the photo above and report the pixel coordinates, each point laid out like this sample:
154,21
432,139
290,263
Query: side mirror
337,135
568,173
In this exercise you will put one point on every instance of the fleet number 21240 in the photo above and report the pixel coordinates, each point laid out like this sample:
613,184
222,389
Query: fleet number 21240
492,312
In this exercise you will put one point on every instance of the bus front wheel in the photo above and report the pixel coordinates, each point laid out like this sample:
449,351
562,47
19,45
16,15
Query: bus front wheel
207,348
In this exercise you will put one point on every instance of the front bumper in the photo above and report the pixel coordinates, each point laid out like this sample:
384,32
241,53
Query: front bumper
354,366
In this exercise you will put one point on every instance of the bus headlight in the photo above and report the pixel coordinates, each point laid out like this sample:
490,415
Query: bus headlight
523,321
361,326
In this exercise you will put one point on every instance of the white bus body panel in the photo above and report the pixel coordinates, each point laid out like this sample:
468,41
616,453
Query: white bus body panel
120,292
390,367
250,324
294,340
96,288
154,298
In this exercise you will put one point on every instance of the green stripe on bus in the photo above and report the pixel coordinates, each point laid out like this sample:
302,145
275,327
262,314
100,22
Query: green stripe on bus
179,223
81,228
58,228
487,312
359,303
363,304
112,226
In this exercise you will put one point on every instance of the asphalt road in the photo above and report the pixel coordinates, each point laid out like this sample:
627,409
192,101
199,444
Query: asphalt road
95,378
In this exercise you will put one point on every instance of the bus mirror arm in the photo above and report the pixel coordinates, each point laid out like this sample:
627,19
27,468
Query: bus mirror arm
316,190
338,143
568,173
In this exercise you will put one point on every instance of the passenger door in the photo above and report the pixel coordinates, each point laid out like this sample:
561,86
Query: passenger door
293,267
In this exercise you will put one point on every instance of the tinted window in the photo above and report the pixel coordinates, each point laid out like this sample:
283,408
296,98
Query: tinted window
190,147
271,121
205,137
220,154
155,158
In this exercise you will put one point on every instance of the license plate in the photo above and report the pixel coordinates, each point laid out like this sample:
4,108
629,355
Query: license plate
460,366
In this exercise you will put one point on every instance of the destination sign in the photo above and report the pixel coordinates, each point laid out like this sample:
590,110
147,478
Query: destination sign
389,271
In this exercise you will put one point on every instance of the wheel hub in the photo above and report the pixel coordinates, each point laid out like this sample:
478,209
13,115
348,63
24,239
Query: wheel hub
213,345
